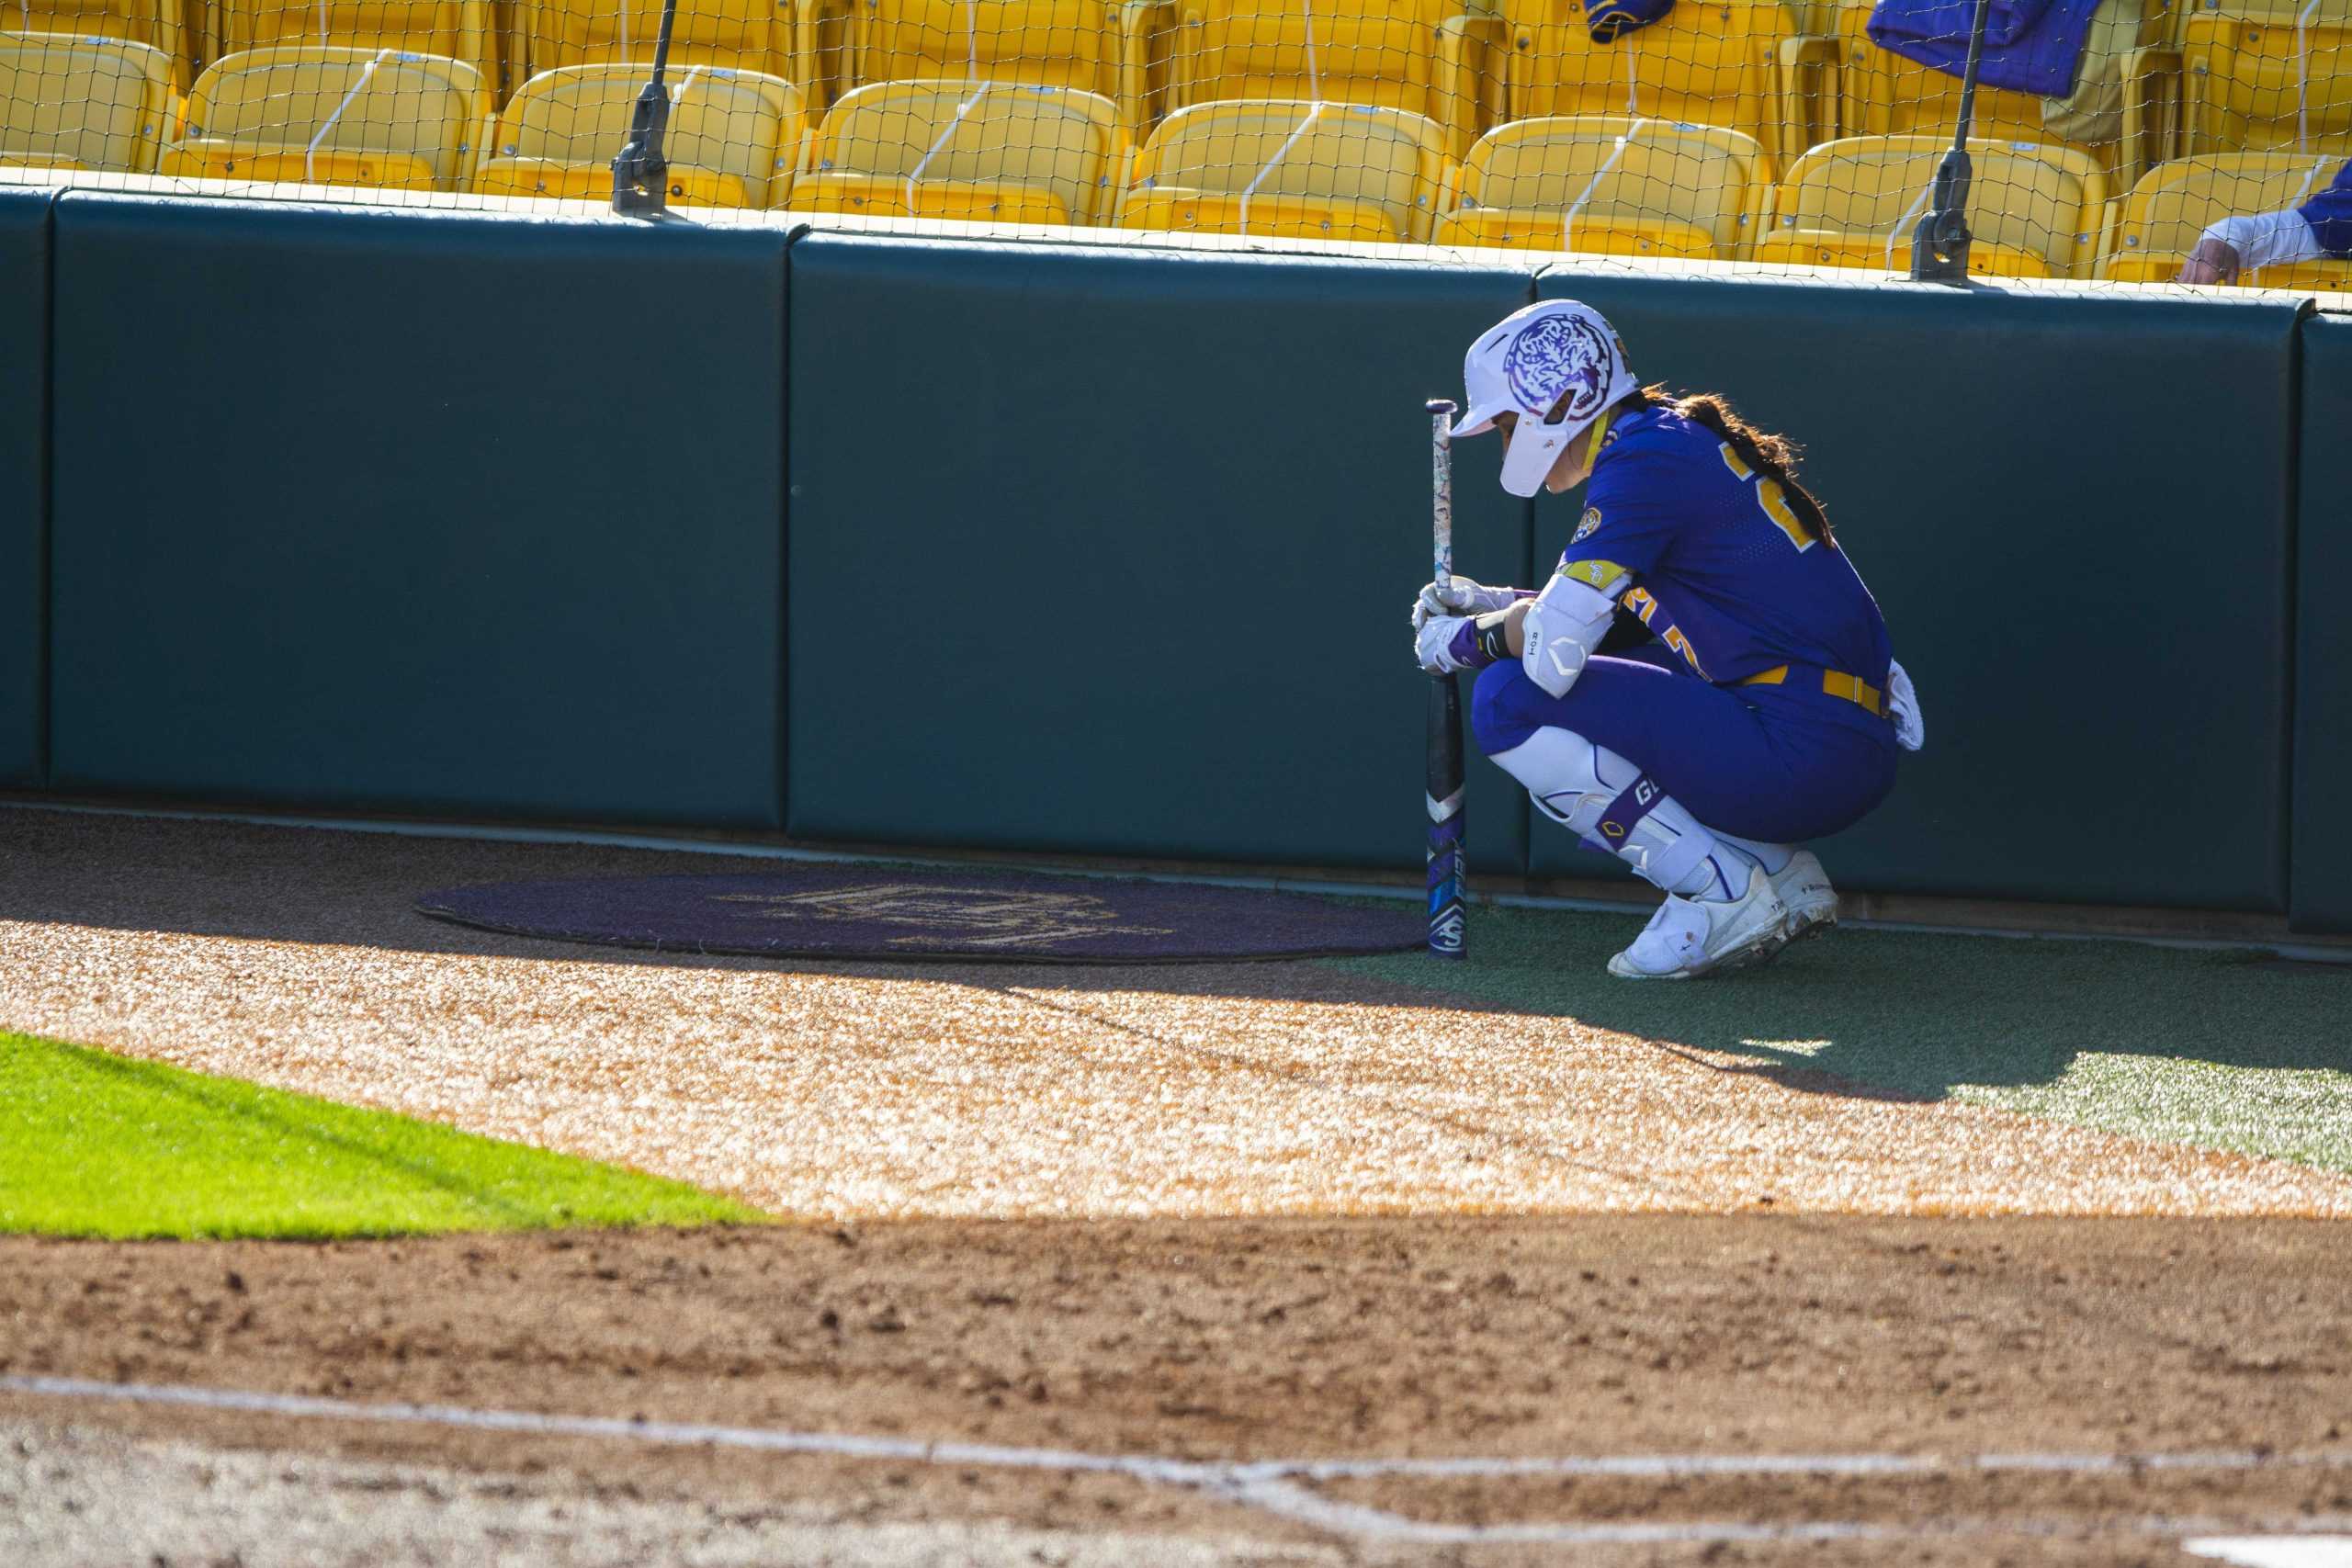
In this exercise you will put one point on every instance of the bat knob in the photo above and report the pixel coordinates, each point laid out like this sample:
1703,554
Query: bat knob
1439,405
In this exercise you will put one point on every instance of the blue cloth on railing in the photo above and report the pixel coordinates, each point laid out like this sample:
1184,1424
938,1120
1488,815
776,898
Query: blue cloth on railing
2031,46
1605,19
2330,214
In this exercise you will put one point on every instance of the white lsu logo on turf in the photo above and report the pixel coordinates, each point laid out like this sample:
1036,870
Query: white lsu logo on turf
977,916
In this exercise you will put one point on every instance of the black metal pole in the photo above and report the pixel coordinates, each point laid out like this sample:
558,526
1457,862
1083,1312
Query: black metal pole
641,173
1940,245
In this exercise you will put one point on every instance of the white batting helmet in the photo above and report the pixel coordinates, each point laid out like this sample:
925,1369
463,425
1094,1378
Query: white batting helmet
1530,361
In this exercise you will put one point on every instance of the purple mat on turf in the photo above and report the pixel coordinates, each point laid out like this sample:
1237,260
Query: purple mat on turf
840,911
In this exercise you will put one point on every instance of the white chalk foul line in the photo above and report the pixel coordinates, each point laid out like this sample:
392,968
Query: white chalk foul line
839,1445
1698,1467
1300,1506
1277,1486
2277,1551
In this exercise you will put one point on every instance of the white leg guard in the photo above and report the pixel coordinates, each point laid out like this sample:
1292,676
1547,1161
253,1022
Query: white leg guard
1617,808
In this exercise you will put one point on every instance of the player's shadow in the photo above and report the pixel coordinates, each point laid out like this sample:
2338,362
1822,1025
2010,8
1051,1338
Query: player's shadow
1917,1015
215,877
1877,1013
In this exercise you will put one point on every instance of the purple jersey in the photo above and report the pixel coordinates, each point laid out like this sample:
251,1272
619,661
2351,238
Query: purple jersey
1723,574
2330,214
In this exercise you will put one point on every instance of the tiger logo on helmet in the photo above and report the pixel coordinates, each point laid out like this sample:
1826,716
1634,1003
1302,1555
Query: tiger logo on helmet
1560,355
1551,369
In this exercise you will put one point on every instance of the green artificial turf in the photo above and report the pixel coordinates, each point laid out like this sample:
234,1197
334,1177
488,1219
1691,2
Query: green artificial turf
101,1146
2220,1050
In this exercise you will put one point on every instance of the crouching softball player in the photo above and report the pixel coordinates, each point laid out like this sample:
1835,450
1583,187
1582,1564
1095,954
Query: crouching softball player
1762,709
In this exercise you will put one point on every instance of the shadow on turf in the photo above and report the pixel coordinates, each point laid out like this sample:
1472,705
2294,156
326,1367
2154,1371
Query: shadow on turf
1914,1015
322,886
1908,1015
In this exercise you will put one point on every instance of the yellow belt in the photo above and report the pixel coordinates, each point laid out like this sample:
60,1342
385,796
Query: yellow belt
1853,688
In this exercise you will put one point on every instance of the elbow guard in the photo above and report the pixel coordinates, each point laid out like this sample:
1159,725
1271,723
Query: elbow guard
1568,621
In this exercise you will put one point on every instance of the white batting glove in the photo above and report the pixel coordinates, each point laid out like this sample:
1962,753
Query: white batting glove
1910,724
1459,596
1433,643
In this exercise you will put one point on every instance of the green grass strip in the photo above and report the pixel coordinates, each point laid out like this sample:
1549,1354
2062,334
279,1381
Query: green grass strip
98,1146
2219,1049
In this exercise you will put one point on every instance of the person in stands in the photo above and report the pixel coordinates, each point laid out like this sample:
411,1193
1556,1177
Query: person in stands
2320,227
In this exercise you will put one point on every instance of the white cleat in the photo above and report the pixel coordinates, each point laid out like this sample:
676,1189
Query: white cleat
1804,889
1690,937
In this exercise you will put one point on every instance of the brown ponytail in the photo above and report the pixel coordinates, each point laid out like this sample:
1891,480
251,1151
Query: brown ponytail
1774,457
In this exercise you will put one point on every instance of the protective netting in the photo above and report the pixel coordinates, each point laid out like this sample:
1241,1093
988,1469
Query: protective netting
2109,135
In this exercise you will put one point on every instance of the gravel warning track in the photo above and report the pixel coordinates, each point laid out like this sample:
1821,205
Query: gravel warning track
292,957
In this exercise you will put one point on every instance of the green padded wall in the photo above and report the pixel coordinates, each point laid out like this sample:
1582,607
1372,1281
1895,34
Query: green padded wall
1112,550
394,510
24,415
2322,837
2074,509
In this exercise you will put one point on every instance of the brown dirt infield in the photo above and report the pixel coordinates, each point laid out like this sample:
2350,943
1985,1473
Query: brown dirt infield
1261,1212
1276,1339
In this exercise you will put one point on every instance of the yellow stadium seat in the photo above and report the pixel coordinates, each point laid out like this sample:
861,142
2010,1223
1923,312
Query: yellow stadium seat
1611,185
2172,204
458,29
735,139
1096,46
775,38
1881,93
155,23
1290,169
2309,278
346,116
2266,78
1428,57
1005,152
2034,211
1741,64
83,103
